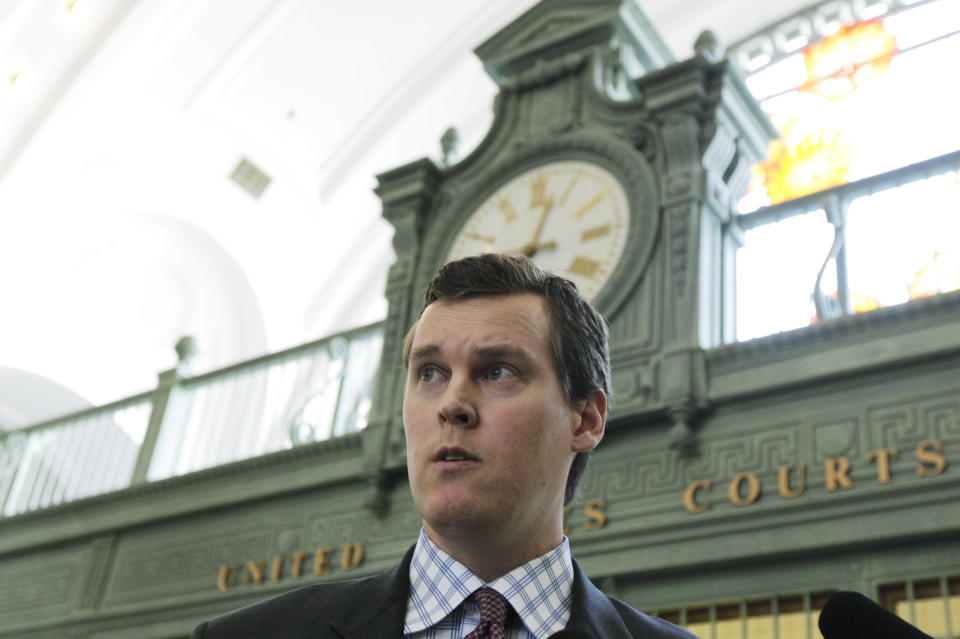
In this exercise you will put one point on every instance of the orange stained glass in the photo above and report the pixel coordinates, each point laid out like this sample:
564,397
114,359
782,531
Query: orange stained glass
941,275
840,63
819,160
863,303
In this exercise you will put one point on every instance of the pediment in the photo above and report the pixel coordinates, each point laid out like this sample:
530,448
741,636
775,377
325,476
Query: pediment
554,28
545,26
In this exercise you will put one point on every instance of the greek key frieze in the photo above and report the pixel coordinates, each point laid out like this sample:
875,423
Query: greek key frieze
740,453
29,590
940,418
139,567
343,528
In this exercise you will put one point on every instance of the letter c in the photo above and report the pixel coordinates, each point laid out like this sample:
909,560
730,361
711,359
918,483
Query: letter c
690,496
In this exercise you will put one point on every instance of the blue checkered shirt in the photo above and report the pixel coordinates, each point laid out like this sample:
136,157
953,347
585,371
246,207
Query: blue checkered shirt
440,587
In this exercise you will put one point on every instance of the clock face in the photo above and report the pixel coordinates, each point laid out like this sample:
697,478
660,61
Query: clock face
569,217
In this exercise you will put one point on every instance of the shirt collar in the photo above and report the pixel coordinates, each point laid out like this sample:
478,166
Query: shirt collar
539,590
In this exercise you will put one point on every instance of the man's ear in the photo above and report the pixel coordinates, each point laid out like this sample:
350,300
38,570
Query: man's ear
592,412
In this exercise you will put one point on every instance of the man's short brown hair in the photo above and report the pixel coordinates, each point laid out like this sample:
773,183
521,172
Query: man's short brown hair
578,336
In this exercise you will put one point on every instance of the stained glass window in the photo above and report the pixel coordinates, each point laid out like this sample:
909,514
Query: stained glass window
858,91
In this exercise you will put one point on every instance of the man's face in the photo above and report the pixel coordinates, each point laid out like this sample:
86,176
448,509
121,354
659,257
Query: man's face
490,434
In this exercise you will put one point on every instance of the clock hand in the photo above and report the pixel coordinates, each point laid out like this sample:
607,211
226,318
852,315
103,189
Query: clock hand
543,218
534,248
528,250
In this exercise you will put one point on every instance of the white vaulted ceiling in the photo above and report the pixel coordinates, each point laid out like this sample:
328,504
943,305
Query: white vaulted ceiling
121,122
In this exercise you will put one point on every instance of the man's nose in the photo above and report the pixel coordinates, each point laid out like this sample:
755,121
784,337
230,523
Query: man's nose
458,407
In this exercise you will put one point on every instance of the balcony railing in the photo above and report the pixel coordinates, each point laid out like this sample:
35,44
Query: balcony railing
309,393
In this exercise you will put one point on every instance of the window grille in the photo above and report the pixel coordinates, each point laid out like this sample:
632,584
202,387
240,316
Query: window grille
932,605
777,617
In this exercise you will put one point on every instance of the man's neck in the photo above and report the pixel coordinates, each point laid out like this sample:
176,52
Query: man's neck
491,556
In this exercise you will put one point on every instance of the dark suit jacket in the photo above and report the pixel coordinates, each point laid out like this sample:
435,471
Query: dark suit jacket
375,607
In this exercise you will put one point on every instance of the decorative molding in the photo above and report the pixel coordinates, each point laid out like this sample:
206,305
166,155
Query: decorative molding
681,143
141,569
615,477
645,139
681,252
28,590
554,108
902,423
545,73
932,418
940,418
96,569
837,438
760,453
635,329
337,529
635,387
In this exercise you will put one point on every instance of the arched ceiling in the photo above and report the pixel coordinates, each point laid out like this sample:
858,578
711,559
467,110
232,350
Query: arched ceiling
120,114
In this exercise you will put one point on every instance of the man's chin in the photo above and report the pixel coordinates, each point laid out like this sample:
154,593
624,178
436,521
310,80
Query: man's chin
457,518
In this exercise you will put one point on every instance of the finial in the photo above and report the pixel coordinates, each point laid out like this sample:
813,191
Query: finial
708,46
186,348
450,145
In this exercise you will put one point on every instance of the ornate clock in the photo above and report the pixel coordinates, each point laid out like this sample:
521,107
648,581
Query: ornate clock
571,217
623,184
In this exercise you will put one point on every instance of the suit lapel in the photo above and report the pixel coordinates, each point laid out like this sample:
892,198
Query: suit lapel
591,610
375,607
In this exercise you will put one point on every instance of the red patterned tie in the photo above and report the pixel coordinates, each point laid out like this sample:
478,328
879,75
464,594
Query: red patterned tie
493,615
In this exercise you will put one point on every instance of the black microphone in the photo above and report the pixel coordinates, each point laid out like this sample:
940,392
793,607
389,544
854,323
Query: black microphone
850,615
571,633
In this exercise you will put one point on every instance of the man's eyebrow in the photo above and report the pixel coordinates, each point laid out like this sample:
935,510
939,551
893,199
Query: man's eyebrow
506,351
487,352
423,352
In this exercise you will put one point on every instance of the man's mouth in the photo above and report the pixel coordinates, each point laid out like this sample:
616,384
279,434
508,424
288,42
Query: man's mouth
454,454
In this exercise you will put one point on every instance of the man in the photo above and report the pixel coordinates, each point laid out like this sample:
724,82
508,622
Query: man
507,381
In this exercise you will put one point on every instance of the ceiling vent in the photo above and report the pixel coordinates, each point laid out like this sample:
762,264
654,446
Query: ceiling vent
252,179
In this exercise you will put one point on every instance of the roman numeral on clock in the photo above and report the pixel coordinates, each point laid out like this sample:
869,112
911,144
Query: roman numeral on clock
507,209
538,192
480,238
584,266
589,205
595,232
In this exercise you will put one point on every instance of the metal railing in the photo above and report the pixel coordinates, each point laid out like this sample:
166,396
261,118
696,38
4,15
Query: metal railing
308,393
72,457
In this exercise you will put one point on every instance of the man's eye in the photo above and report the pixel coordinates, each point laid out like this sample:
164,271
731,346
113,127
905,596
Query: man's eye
429,374
499,373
